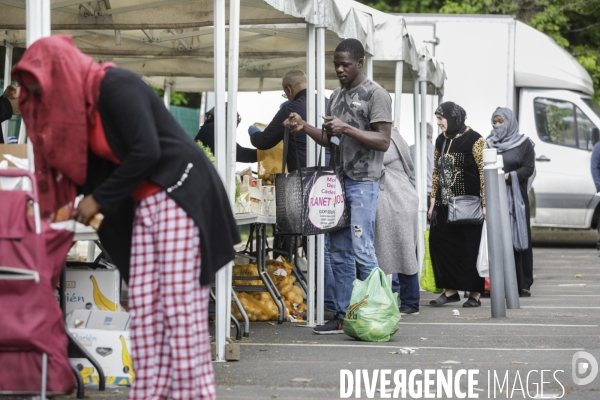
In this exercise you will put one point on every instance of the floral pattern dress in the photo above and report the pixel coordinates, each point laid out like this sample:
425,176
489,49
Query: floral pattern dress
458,171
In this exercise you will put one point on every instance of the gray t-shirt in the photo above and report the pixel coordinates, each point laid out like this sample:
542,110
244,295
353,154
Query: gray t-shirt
360,107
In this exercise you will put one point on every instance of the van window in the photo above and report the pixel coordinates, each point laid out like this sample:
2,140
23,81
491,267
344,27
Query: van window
555,122
562,123
593,105
584,125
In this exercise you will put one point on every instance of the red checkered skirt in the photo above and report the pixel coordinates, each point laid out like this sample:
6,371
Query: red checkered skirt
169,309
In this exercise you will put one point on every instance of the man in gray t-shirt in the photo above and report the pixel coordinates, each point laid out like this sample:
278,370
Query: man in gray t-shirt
358,126
360,107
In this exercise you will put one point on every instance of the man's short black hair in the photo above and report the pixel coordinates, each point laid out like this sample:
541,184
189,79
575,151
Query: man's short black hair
352,46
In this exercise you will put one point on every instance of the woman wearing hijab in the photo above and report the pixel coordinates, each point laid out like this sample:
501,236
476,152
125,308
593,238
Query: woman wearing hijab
396,223
519,161
102,129
457,171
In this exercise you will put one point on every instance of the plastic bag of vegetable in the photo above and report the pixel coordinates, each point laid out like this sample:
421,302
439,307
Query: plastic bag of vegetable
373,314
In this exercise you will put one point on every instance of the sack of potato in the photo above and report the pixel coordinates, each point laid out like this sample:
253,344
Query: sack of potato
256,308
246,270
279,269
294,300
260,305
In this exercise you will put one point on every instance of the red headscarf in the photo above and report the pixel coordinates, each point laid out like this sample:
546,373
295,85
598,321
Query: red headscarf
57,119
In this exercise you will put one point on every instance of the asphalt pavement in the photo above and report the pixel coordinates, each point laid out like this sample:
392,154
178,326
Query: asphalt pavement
561,318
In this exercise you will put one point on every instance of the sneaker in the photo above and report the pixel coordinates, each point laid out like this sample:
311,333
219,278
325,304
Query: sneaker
331,327
408,310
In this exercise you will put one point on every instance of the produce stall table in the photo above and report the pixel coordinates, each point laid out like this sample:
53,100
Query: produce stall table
259,223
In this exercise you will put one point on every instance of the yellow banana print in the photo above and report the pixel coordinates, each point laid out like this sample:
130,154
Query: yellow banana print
86,373
126,357
101,301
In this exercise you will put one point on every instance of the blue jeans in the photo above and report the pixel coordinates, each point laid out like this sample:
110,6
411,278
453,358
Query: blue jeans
329,285
329,282
352,248
408,287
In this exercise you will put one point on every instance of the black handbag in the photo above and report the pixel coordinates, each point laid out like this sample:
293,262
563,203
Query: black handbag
311,200
462,209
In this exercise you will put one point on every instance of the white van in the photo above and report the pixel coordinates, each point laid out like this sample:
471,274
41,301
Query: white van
496,61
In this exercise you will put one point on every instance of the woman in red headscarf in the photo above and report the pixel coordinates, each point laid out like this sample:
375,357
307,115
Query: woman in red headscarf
102,131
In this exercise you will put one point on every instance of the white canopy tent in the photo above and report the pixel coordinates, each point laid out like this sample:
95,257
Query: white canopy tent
185,41
431,72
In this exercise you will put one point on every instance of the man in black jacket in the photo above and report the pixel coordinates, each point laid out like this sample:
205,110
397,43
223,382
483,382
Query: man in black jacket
9,106
206,135
294,89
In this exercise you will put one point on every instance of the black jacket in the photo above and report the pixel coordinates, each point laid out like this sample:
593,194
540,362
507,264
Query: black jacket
274,133
152,146
6,112
206,135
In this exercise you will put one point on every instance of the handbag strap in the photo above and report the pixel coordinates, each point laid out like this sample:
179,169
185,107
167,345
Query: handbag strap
286,142
321,150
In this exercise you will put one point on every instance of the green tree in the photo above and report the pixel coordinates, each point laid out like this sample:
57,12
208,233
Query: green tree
573,24
176,99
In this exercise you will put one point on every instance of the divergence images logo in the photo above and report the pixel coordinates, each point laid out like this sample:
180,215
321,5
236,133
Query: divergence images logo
581,367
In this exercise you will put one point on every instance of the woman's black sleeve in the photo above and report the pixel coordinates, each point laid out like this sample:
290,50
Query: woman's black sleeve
527,163
127,103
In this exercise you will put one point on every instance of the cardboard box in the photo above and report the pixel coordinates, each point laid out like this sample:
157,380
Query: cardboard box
17,150
97,289
96,319
111,349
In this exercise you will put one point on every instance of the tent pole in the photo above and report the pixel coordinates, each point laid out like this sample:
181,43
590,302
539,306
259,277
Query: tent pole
167,94
368,66
423,177
7,67
37,24
320,112
37,14
222,290
398,93
232,90
311,117
417,163
440,101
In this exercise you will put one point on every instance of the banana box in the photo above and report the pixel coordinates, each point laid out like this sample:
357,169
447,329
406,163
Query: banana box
98,289
96,319
111,349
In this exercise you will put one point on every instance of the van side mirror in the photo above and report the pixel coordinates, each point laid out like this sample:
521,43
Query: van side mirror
595,135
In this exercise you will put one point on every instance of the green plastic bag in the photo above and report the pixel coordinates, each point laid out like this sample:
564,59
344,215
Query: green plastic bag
427,277
373,314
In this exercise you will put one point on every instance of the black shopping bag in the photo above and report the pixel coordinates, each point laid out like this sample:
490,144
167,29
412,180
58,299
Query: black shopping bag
310,201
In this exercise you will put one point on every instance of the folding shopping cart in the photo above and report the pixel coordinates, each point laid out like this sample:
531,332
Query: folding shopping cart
33,339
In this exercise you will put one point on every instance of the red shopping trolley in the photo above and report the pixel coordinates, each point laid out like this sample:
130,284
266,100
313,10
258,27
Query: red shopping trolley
33,340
